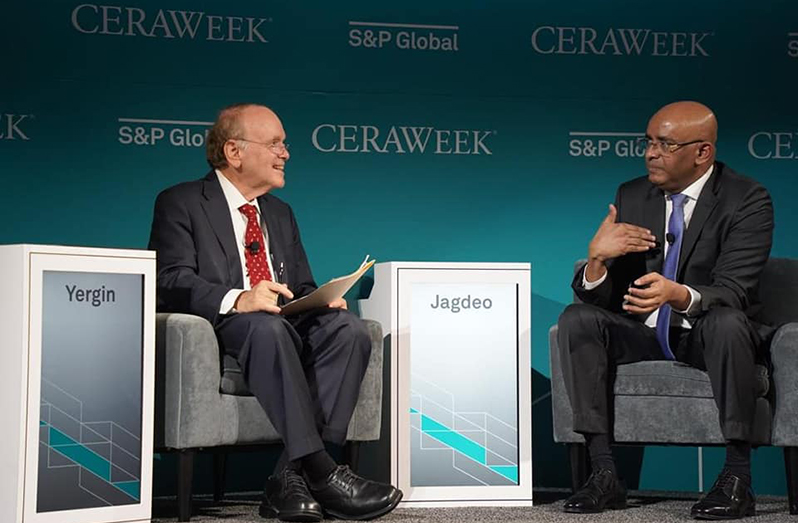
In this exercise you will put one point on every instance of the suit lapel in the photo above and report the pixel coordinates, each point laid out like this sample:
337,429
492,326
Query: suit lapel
706,203
215,206
654,220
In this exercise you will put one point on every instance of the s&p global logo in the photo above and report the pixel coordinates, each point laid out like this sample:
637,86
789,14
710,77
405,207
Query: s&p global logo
549,39
773,145
598,144
792,45
167,23
149,132
15,126
341,138
412,37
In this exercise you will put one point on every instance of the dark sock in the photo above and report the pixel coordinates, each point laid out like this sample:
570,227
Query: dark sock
738,459
598,447
283,462
317,466
335,451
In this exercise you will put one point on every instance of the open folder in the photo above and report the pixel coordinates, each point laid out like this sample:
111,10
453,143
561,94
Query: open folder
327,293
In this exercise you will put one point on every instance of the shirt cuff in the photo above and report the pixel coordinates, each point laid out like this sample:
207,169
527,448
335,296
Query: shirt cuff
695,303
590,285
229,301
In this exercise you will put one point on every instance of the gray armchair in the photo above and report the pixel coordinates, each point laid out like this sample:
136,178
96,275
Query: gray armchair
201,400
670,403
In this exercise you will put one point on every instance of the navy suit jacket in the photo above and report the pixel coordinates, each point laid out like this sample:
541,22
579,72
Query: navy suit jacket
724,249
198,260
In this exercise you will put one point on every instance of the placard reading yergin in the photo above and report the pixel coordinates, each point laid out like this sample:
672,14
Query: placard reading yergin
91,390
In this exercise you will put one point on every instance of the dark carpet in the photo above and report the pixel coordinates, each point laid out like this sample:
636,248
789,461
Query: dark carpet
548,508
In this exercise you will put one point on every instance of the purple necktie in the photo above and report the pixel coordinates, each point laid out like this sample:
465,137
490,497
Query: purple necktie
676,229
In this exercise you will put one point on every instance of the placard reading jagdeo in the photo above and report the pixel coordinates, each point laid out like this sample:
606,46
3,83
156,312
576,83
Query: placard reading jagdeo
464,368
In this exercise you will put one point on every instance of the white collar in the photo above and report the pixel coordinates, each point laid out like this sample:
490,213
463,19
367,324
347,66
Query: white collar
233,196
693,191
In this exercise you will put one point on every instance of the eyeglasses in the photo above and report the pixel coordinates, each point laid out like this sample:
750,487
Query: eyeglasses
275,147
663,147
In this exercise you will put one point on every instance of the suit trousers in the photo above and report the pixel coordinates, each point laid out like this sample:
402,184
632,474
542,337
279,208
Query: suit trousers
593,342
304,370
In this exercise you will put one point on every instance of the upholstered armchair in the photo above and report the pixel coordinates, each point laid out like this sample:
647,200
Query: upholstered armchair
202,401
670,403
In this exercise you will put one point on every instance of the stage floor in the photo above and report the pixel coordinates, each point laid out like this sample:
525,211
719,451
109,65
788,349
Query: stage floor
548,508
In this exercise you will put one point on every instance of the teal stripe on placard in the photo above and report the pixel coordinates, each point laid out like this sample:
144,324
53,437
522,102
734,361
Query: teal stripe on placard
90,460
464,445
59,438
86,458
453,439
508,471
131,488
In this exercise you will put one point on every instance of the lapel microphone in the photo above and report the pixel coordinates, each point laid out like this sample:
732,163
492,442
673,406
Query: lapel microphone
253,247
670,238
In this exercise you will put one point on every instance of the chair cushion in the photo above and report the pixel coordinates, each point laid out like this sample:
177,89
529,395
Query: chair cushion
672,378
233,378
679,420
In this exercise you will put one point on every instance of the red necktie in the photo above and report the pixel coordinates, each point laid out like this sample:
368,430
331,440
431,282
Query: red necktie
254,247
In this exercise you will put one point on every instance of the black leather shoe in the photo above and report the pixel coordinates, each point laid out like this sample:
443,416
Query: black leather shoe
346,495
602,490
731,497
287,498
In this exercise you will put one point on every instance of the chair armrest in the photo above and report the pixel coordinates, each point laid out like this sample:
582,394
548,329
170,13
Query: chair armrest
367,418
784,355
188,404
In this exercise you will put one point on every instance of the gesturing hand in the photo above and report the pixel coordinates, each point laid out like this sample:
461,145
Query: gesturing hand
262,297
614,239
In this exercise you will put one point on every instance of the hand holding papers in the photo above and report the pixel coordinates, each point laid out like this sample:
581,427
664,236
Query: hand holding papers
329,292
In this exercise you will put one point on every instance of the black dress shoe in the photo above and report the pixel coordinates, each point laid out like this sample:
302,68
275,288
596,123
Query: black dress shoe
731,497
287,498
602,490
346,495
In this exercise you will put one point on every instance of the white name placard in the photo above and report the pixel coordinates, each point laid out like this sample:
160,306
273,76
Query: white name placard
460,380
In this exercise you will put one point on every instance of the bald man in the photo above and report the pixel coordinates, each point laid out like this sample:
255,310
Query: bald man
231,252
672,273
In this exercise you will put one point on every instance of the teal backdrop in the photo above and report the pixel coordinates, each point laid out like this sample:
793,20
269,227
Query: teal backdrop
420,131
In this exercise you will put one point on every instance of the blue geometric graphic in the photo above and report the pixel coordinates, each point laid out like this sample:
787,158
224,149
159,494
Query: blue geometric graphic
483,448
102,448
463,445
90,408
89,460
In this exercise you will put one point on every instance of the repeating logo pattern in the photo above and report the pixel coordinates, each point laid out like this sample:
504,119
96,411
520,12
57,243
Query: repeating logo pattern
598,144
773,145
15,126
168,24
411,37
421,139
149,132
557,40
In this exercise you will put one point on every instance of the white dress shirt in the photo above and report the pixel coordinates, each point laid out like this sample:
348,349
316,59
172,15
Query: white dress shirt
235,200
693,191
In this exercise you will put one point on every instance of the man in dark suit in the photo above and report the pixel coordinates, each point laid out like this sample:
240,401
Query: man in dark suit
230,252
682,292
